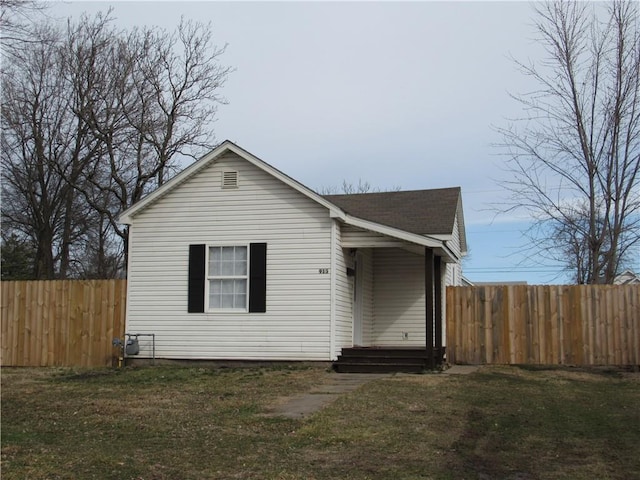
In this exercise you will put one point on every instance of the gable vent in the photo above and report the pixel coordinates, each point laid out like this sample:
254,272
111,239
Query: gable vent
229,179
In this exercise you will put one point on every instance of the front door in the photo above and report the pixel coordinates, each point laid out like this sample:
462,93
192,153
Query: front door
357,301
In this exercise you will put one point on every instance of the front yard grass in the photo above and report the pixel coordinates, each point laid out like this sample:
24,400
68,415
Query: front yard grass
157,423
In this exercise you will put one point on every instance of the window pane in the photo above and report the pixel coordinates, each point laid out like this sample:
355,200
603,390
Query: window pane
240,301
241,253
214,301
240,287
241,268
215,287
214,260
228,254
227,301
226,269
227,287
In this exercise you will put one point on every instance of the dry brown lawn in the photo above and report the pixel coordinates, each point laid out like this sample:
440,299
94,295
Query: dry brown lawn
204,423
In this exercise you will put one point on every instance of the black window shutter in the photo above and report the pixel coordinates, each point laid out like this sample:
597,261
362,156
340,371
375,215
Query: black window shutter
196,278
258,277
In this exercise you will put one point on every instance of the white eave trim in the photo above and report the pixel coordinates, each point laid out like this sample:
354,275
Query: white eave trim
441,237
126,217
425,241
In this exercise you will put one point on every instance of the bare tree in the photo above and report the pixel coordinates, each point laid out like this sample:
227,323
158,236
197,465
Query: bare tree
17,23
154,100
93,121
575,156
350,188
40,149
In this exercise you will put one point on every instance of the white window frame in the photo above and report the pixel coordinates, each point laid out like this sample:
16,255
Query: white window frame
210,277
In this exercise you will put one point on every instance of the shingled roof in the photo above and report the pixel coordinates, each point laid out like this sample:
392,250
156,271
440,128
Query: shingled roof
422,212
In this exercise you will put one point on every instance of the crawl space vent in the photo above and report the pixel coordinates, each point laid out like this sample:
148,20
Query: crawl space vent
229,179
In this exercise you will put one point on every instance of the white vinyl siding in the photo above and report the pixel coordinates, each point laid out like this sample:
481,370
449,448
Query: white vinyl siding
297,231
367,296
398,292
454,243
454,270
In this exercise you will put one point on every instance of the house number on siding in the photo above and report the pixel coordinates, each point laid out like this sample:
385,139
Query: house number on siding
323,270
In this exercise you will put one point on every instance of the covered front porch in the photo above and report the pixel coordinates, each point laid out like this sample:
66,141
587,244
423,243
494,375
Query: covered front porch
397,317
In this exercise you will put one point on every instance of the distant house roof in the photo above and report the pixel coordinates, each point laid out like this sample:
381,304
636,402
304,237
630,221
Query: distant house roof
424,212
627,278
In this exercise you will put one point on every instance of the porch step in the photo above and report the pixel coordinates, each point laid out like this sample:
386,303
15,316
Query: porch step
384,360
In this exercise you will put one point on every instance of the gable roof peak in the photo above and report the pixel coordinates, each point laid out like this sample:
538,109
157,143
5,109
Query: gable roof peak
126,217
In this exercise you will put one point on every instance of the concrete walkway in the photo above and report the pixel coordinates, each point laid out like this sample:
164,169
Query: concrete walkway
461,369
335,384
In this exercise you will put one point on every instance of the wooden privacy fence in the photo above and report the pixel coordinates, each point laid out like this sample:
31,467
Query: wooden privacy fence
61,322
73,322
521,324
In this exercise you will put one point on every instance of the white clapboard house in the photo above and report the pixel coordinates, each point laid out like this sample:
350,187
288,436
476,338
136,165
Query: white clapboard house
234,260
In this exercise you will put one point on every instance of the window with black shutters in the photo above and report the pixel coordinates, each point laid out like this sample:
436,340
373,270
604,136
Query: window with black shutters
227,278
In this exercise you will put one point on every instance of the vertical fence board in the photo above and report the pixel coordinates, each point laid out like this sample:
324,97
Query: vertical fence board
518,324
633,324
8,331
497,327
19,315
43,324
470,322
510,306
504,321
450,328
74,345
51,323
62,323
564,330
613,339
553,350
578,327
4,324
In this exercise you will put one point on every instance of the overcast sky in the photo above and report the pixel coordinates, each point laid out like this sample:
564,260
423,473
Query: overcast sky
395,94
